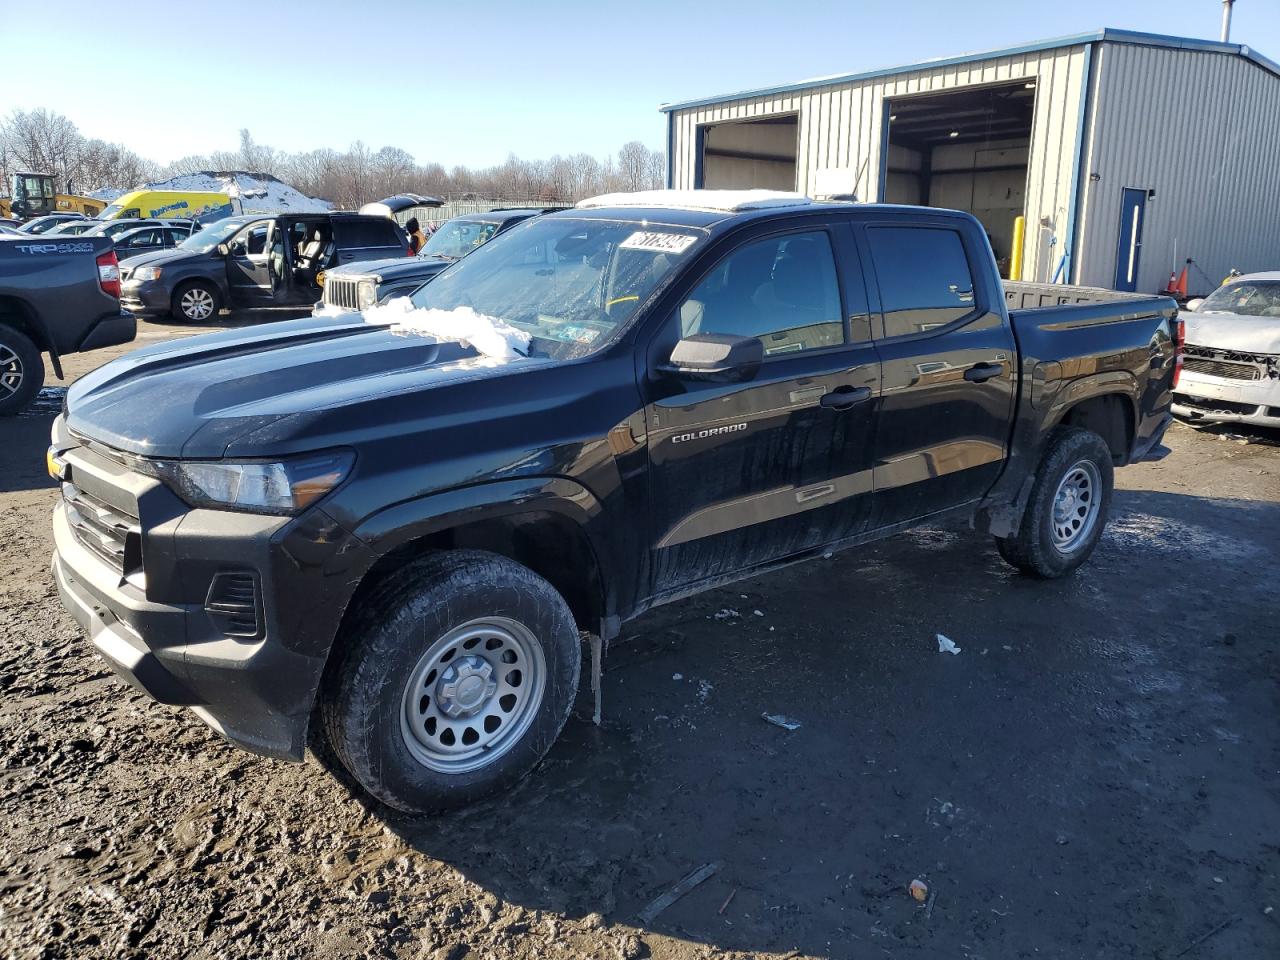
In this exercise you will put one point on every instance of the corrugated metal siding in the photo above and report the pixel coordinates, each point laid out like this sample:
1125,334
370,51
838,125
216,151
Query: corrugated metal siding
1203,131
840,125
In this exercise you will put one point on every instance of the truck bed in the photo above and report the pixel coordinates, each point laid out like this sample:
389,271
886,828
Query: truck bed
1022,295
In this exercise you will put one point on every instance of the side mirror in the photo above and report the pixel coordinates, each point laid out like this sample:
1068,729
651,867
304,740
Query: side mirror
1194,304
223,250
717,357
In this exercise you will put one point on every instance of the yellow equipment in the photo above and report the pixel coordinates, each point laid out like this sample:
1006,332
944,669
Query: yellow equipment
1015,255
32,196
161,204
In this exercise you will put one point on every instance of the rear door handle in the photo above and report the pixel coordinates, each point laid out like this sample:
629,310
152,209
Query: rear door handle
982,372
842,398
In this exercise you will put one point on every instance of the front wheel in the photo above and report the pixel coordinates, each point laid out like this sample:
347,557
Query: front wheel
457,676
195,302
21,370
1067,509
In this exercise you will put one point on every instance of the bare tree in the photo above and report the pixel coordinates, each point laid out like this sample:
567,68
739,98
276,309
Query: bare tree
43,141
633,166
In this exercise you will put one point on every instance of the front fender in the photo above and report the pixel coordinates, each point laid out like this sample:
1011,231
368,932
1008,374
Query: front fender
421,517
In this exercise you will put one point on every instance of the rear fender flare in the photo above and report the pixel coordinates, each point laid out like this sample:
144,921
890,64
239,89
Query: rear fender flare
1120,383
28,321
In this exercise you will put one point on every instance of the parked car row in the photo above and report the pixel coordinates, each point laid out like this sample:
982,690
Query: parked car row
254,261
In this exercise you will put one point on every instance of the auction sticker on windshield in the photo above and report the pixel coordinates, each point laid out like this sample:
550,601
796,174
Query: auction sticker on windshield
658,242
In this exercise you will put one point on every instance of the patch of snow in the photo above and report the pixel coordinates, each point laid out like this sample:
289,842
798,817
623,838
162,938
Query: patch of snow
105,194
489,335
779,720
257,192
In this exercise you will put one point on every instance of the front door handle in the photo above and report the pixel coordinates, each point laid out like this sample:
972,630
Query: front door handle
842,398
982,372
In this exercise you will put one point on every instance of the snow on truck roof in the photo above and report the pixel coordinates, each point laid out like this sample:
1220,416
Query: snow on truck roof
726,201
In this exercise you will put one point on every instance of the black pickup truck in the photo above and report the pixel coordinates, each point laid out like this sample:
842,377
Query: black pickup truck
394,528
58,295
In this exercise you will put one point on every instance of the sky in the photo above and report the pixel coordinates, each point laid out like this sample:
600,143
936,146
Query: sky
469,83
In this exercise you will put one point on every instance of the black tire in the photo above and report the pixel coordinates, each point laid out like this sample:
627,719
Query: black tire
190,300
366,699
21,370
1033,549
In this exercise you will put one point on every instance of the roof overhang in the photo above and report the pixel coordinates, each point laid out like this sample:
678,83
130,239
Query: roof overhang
1132,37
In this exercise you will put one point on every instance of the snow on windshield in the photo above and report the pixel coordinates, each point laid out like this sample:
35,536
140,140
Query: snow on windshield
489,335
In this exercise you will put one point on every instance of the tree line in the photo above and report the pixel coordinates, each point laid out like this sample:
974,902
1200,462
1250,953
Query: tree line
46,142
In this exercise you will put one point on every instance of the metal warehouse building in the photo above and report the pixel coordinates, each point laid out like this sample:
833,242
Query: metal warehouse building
1127,153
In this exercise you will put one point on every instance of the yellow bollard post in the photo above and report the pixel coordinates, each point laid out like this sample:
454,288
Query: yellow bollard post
1015,255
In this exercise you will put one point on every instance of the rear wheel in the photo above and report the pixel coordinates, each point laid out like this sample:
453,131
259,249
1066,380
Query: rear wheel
458,676
1067,509
196,302
21,370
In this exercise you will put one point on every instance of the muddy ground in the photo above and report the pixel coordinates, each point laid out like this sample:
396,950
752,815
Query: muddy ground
1097,773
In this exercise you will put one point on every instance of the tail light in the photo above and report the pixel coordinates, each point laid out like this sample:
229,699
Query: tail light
1179,344
109,274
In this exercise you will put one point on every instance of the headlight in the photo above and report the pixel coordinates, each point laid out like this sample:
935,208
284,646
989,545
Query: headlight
145,273
253,486
366,294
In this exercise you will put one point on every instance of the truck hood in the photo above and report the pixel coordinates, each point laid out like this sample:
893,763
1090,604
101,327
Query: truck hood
198,396
1234,331
393,268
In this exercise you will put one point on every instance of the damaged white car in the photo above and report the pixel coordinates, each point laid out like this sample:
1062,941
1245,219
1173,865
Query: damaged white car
1231,371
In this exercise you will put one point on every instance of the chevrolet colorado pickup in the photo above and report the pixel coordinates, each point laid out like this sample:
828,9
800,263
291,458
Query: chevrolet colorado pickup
394,528
58,295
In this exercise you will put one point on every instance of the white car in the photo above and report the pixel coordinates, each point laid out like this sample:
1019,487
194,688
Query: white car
1231,371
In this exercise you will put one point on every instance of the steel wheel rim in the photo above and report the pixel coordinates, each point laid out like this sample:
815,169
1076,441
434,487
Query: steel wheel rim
11,372
460,710
1076,505
197,304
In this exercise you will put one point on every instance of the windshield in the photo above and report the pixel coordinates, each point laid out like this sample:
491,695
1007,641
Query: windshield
457,238
202,241
1257,298
568,283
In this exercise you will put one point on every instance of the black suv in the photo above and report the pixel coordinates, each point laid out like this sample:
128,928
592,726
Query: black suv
254,260
363,285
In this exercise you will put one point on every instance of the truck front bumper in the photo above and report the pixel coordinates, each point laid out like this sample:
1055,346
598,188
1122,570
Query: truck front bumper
1201,398
160,627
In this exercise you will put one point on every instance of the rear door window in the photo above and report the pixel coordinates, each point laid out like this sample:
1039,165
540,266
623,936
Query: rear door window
782,290
924,277
357,233
144,238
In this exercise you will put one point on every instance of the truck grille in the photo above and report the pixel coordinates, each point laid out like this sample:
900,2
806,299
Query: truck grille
1230,364
112,534
1222,368
341,292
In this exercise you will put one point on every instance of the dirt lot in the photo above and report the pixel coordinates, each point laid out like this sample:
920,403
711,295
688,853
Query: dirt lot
1095,774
